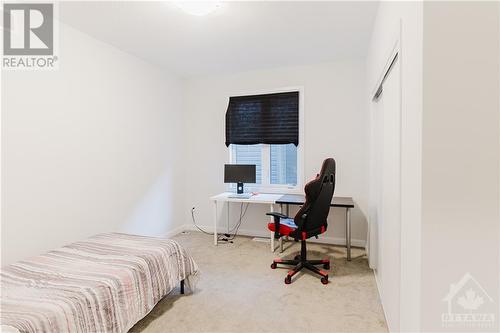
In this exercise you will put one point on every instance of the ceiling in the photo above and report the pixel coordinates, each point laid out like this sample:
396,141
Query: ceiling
238,36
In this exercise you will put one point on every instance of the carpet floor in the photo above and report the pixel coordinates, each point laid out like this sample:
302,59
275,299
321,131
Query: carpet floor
237,291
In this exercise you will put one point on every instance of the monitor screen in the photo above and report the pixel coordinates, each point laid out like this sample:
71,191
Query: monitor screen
239,173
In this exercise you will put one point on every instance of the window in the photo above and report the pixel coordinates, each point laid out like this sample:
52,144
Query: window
276,165
249,154
264,130
283,164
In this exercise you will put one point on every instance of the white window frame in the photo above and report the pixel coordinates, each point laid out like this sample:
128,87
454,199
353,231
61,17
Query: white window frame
266,186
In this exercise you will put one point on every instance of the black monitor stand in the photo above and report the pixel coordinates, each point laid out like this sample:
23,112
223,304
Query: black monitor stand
239,188
239,192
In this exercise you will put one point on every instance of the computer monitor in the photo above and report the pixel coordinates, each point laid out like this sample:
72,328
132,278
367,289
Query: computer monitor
239,174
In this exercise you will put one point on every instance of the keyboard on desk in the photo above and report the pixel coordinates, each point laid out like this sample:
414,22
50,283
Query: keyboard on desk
240,196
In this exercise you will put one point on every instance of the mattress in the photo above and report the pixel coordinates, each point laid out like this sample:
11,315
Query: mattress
103,284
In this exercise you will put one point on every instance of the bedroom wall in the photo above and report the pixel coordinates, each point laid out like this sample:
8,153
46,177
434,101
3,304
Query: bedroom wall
403,21
91,147
449,155
335,125
461,159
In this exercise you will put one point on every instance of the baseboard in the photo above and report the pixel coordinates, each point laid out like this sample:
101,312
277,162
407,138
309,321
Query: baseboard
263,233
377,284
175,231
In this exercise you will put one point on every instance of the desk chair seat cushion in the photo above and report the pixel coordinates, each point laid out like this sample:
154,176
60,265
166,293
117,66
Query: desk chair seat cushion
287,230
286,226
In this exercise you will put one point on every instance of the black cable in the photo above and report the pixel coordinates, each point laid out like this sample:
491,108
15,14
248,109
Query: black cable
240,220
219,237
223,237
237,223
194,222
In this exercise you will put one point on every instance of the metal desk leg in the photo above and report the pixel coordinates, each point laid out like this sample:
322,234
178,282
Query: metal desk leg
272,233
287,214
215,222
272,241
281,238
348,232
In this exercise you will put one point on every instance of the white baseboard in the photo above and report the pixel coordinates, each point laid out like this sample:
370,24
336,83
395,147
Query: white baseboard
377,284
175,231
263,233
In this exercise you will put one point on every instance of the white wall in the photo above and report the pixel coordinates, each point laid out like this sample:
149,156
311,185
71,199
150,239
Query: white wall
95,146
450,150
403,20
461,155
336,124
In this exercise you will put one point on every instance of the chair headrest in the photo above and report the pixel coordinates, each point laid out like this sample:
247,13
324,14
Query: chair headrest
328,168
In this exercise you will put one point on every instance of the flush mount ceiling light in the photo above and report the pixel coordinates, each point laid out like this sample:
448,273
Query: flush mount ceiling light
198,8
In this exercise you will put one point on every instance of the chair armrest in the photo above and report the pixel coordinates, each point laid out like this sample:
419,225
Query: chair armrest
278,215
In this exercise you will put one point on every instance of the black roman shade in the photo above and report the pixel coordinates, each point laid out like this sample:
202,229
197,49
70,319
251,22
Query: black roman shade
269,118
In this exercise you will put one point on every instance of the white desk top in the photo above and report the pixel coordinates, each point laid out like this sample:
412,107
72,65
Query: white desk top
263,198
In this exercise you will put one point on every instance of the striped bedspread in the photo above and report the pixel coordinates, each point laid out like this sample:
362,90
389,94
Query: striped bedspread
103,284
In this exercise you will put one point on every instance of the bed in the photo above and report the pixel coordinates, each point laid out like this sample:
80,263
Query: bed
106,283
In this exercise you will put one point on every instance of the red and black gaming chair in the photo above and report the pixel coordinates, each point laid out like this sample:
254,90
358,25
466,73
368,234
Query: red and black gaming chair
310,221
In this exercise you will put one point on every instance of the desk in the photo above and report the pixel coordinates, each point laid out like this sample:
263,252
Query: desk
261,198
285,199
342,202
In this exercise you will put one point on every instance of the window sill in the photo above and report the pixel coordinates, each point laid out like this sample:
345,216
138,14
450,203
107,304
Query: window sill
298,189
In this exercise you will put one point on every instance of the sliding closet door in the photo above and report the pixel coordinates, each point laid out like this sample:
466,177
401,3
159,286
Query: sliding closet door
387,127
376,158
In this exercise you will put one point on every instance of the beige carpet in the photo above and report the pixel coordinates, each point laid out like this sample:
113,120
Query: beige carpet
238,292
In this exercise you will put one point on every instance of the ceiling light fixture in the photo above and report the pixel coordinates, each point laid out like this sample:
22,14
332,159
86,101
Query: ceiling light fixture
198,8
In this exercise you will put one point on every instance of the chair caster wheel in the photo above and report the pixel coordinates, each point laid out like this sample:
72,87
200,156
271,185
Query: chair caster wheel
324,280
273,265
326,266
288,280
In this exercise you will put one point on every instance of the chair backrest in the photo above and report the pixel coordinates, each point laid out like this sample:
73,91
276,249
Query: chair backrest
319,194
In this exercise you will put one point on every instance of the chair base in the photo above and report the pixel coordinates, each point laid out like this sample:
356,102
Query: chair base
300,262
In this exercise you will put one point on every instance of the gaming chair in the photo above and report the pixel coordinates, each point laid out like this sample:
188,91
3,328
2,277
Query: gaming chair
310,221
